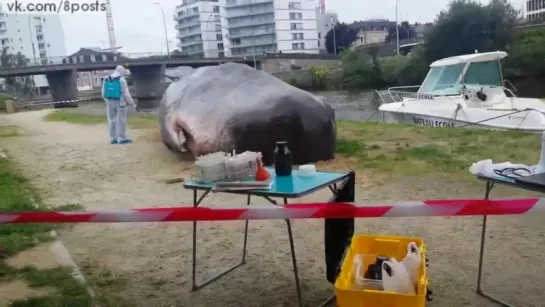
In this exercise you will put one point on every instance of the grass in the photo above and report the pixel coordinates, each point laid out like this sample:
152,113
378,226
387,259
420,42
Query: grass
67,116
413,150
16,195
399,149
8,131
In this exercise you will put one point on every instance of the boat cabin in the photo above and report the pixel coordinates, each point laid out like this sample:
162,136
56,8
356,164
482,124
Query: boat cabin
450,76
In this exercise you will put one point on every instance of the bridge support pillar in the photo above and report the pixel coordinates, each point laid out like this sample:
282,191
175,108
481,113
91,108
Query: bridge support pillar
149,81
63,87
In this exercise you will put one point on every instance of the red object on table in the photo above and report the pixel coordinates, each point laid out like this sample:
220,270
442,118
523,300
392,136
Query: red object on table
262,174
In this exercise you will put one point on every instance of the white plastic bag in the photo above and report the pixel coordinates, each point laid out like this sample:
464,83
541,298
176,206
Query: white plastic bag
359,279
395,278
412,262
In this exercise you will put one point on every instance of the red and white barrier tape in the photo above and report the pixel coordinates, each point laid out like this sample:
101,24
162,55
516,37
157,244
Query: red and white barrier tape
457,207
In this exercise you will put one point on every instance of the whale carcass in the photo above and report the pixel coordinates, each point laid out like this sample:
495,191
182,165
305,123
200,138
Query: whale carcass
233,106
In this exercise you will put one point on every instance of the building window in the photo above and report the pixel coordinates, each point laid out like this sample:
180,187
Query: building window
296,26
296,16
318,44
221,54
81,60
220,46
295,5
219,37
235,41
296,36
216,9
298,46
218,28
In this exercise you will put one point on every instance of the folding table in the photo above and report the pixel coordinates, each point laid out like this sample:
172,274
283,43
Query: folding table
289,187
490,182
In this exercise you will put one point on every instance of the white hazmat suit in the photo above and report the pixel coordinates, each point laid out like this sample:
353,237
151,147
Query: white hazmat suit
116,110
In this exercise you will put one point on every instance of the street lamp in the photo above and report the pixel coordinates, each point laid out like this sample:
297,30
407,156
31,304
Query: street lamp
165,27
397,29
334,26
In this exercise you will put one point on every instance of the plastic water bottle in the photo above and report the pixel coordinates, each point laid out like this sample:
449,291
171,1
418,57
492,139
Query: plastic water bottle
541,164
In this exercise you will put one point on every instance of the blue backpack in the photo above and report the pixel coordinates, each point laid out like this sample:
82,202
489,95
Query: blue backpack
112,88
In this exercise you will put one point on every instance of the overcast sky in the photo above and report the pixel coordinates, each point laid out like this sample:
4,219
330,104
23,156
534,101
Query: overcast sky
139,23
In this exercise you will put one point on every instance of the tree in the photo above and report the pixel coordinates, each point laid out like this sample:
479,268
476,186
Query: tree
526,54
467,26
18,85
341,35
405,32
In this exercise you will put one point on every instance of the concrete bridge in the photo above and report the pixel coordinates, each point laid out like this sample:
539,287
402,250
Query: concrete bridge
148,73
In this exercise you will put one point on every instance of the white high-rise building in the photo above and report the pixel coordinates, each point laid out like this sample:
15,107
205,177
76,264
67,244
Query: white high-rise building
40,38
258,26
325,22
199,29
535,9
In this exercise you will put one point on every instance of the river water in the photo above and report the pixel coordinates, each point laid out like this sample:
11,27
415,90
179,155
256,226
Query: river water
361,106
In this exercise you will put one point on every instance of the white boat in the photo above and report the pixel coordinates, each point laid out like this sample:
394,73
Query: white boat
465,91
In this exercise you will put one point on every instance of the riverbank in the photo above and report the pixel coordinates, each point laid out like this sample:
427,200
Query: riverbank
154,259
389,150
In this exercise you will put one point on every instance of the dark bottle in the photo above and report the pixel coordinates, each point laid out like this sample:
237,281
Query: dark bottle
282,159
374,271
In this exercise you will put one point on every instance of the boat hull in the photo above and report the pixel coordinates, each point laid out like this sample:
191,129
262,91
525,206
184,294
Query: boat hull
440,122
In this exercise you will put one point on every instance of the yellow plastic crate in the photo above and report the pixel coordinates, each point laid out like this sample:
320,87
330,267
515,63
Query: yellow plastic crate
391,246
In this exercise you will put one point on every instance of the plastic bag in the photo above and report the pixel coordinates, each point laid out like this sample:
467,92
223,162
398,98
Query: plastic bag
412,262
358,276
395,278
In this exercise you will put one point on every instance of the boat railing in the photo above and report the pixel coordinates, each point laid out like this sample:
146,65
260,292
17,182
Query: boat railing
398,93
511,87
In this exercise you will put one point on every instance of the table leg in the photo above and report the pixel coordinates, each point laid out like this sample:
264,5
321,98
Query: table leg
294,261
292,249
195,286
489,186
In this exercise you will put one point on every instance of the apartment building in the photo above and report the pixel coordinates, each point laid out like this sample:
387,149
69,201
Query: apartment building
254,27
325,22
535,9
199,29
40,38
371,31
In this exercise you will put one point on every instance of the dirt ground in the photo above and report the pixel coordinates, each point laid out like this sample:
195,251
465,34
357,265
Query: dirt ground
76,164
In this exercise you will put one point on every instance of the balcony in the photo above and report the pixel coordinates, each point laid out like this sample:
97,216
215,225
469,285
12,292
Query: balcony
251,32
185,15
234,13
250,43
239,3
192,23
192,43
189,32
250,23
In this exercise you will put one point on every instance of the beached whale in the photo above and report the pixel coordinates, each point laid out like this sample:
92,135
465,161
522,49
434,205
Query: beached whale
233,106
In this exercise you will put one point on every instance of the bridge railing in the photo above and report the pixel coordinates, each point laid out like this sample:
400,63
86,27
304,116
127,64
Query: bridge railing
146,56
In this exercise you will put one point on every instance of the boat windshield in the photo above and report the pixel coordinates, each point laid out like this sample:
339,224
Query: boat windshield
443,80
483,73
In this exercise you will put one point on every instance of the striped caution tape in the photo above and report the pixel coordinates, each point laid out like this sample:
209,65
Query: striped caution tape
294,211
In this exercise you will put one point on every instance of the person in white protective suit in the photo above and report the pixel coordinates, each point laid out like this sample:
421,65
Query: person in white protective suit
115,92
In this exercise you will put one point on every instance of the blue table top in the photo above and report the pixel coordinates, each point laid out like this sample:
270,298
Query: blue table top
283,186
